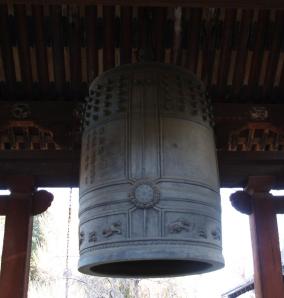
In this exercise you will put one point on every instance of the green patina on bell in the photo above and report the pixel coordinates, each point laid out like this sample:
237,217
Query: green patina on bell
149,189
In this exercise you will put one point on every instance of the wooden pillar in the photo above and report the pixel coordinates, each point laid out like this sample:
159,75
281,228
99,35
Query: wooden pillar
22,205
261,207
17,240
268,279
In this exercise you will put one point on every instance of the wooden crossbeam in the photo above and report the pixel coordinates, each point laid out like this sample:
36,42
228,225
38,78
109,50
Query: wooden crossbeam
278,203
60,168
243,202
4,204
192,3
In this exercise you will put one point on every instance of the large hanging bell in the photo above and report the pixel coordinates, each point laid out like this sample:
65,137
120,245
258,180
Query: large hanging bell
149,189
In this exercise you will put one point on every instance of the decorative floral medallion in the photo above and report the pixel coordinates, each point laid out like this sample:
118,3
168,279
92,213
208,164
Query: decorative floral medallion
144,194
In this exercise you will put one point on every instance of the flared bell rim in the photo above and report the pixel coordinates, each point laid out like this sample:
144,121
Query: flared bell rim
163,268
157,269
152,265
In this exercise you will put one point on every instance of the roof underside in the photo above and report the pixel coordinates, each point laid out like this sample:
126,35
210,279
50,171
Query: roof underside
51,50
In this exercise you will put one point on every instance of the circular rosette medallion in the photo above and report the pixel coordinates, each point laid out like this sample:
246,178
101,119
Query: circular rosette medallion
144,194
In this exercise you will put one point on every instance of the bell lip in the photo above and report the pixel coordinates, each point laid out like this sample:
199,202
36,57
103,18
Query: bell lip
215,262
212,266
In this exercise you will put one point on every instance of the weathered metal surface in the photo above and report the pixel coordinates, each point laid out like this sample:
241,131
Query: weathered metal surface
149,189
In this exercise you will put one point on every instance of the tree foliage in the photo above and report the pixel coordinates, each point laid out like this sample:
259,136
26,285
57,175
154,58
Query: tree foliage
38,277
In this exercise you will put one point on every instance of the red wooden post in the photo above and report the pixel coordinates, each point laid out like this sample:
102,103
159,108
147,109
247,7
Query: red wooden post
264,234
17,239
23,203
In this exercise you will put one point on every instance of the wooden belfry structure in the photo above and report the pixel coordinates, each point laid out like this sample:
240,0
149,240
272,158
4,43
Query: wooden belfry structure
51,50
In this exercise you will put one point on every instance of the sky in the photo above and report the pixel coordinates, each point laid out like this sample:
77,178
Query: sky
236,250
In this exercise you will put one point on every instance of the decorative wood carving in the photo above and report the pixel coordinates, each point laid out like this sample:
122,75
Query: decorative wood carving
26,135
258,136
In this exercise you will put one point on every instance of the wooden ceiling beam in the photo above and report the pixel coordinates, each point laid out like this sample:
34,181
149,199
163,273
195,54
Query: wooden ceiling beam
75,50
262,4
4,204
50,168
7,50
61,168
126,35
24,48
195,27
91,40
242,50
275,52
109,36
226,47
58,48
41,55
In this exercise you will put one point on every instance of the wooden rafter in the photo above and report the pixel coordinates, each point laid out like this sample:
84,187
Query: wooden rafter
54,51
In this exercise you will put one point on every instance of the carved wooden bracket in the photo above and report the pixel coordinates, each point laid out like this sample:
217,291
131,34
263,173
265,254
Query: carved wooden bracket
41,201
262,208
242,201
26,135
257,136
19,207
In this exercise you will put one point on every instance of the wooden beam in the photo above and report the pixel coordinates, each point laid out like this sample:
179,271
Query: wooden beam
275,4
75,52
226,48
6,48
242,202
52,168
24,51
258,51
242,50
265,243
224,113
58,48
109,31
14,275
92,47
194,29
278,203
4,204
235,167
126,35
41,201
61,167
236,112
42,67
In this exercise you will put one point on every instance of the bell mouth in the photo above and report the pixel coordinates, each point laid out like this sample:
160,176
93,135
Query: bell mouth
151,268
150,262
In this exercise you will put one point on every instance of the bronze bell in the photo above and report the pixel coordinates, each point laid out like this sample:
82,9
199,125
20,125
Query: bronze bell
149,189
